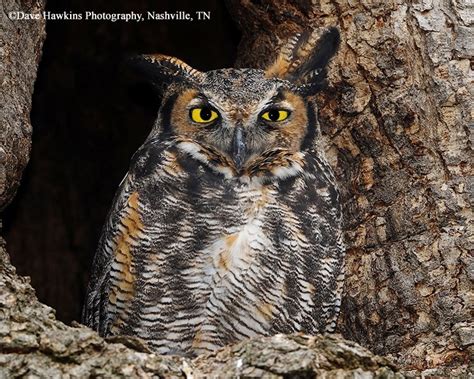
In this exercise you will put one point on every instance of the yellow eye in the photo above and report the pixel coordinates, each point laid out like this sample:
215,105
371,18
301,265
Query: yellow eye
203,115
275,115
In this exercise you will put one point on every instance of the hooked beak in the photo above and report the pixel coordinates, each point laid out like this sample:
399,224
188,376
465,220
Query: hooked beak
239,147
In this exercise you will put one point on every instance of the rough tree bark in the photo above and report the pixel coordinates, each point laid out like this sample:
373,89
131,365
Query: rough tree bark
20,51
395,122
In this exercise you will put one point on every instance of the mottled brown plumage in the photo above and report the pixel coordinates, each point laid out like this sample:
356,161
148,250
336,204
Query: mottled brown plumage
228,223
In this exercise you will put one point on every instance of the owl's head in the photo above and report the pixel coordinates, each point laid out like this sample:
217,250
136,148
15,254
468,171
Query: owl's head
244,122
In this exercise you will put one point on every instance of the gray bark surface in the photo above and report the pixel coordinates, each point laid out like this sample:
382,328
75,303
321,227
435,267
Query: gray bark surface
20,51
397,119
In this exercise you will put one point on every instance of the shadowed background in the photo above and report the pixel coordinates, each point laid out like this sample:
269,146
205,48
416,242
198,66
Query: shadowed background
89,116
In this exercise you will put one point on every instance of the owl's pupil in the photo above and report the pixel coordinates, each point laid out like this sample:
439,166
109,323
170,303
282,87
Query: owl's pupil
206,114
273,115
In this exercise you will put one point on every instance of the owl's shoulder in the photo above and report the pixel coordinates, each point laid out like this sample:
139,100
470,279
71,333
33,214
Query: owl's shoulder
150,156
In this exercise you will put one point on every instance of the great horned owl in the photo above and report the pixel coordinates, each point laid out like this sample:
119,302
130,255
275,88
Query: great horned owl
228,222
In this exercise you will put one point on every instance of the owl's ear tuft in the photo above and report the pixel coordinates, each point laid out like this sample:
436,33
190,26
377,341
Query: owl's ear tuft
163,70
304,59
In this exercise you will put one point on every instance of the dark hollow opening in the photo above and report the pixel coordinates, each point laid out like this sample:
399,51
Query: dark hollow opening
89,116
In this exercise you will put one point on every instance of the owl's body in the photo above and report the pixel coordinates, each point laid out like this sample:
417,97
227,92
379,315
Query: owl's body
222,229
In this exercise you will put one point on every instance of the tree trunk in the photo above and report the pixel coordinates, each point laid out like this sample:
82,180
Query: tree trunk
394,119
20,50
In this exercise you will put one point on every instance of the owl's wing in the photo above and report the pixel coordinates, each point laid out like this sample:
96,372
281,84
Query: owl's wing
111,282
95,312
